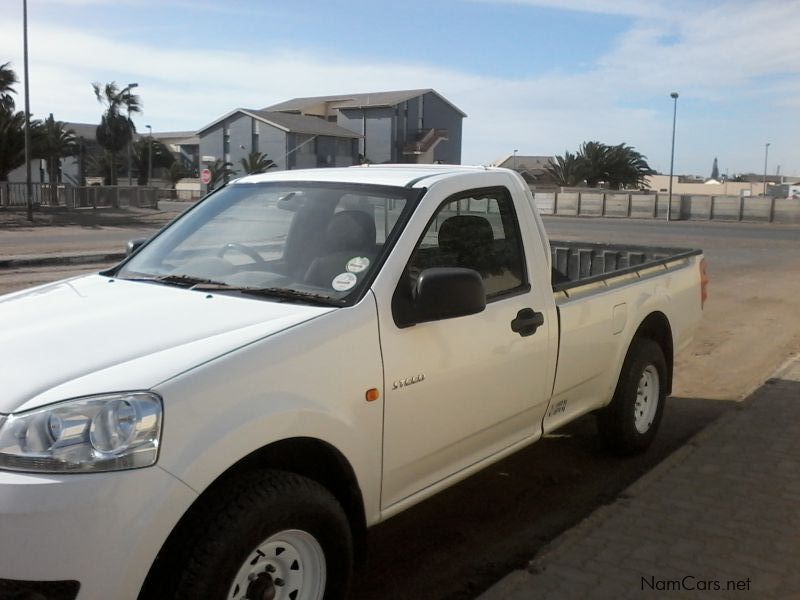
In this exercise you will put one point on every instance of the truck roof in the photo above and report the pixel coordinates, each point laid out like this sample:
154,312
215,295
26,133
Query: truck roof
400,175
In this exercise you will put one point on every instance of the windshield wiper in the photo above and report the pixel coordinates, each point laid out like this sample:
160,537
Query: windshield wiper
177,279
272,292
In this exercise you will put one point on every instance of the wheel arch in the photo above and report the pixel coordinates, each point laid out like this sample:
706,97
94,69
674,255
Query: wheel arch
309,457
656,327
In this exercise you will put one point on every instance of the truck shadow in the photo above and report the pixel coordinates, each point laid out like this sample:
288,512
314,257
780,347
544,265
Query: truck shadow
458,543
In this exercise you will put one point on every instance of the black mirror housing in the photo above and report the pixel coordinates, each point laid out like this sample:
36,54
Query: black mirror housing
448,292
134,245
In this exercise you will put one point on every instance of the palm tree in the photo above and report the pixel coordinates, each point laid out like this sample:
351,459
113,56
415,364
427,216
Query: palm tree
56,142
162,158
12,140
174,174
220,171
626,167
618,166
7,80
12,125
595,157
256,162
566,170
116,129
101,165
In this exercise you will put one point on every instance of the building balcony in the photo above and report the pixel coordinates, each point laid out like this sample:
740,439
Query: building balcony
423,141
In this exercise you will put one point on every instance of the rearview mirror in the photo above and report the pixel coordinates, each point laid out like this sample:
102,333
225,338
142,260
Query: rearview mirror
448,292
134,245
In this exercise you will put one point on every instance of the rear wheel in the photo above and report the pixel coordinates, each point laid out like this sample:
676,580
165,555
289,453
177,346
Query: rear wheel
630,422
271,536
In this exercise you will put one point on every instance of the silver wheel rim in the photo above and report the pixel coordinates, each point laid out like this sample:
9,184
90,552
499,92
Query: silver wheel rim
287,565
647,398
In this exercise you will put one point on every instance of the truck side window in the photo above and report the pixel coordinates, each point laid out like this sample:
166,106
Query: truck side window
477,230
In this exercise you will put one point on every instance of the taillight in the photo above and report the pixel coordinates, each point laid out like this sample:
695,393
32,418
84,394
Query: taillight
704,279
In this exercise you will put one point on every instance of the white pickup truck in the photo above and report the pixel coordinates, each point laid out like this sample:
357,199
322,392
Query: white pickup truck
300,356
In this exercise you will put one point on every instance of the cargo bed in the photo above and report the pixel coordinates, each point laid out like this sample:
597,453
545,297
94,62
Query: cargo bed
579,263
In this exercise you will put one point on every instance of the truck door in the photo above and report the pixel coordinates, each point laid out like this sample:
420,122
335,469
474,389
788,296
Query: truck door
461,389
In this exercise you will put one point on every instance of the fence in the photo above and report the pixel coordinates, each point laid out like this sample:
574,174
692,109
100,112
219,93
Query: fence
70,196
654,206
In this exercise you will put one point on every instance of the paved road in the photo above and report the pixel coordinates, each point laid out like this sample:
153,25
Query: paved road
726,244
107,231
12,280
457,544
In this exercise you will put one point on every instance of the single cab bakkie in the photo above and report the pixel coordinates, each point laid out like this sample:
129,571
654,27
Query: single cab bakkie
302,355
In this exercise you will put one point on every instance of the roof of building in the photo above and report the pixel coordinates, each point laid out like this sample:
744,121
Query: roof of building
291,123
303,124
360,100
88,131
178,138
522,162
83,130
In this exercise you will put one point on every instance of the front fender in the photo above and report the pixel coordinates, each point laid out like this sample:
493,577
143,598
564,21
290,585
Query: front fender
309,381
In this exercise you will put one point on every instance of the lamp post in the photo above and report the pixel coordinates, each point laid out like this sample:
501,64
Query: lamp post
127,90
28,184
515,158
149,155
674,96
766,154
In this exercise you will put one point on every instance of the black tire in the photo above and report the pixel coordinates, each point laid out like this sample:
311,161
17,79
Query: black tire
617,421
253,507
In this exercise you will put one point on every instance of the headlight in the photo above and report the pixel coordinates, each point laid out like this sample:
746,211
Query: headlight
98,433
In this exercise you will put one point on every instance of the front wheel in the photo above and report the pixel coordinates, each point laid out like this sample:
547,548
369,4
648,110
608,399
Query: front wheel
629,423
270,536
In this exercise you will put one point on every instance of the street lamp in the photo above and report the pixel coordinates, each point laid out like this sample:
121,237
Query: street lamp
127,90
149,155
766,154
515,158
28,184
674,96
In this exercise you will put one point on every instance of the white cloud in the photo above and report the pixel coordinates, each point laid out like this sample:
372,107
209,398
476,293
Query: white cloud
749,51
610,7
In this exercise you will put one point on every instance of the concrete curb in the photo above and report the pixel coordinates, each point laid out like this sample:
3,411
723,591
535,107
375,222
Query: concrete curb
77,258
512,584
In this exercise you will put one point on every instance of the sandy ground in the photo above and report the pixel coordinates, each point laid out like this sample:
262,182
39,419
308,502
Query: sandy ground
751,326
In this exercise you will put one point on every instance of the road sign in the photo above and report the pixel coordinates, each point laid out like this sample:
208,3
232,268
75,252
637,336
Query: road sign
205,176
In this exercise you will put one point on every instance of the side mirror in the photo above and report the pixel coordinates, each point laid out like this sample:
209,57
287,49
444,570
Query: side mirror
134,245
448,292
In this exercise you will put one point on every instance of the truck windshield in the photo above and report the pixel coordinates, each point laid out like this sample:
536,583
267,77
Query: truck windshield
293,241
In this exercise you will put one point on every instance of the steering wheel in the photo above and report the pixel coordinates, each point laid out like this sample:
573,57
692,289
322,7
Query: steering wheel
247,250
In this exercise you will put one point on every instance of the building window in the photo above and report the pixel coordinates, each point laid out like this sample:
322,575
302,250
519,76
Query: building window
305,144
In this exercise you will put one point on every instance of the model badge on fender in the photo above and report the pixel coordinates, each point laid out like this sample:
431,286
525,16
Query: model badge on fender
401,383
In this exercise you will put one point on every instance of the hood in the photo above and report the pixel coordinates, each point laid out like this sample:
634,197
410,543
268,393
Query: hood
95,334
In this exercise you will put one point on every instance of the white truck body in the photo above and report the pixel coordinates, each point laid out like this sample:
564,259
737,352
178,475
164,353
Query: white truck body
239,374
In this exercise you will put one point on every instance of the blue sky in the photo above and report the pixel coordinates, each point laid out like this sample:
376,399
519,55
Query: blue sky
537,75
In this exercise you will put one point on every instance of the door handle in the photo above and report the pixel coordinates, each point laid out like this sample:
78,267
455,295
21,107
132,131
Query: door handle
527,322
